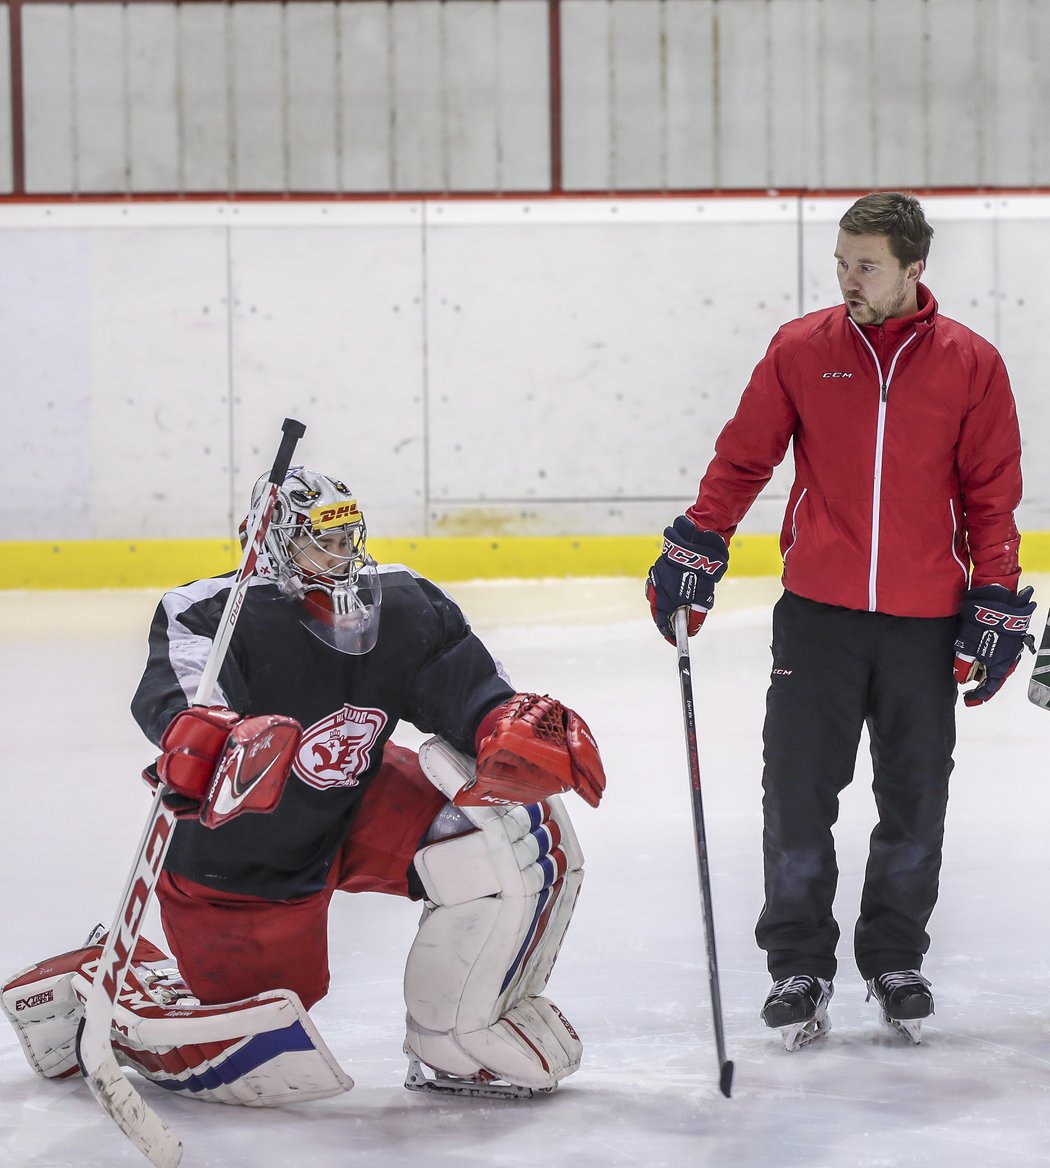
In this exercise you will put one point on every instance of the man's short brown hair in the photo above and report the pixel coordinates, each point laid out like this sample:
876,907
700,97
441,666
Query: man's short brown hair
896,215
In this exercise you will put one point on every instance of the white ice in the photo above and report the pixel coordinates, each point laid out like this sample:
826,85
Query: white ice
632,975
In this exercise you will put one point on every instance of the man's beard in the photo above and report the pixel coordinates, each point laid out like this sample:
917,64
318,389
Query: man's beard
877,312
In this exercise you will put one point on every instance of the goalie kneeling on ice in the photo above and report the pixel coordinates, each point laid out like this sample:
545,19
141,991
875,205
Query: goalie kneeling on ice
500,884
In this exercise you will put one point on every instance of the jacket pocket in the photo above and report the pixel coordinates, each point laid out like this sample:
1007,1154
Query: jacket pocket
789,534
956,541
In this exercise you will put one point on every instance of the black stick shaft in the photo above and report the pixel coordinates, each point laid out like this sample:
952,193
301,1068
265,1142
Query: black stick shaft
681,626
292,431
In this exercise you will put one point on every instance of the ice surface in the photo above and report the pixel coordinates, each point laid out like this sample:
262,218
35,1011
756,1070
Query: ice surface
632,976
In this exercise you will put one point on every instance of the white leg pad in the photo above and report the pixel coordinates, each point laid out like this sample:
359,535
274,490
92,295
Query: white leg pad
500,899
260,1052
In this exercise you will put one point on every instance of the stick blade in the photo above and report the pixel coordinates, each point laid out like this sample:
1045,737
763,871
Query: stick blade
1039,686
126,1107
1039,691
725,1079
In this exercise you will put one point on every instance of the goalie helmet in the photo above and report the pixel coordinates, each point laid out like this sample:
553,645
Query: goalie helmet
316,547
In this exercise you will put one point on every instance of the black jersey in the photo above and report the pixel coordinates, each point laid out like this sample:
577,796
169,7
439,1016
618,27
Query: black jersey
426,668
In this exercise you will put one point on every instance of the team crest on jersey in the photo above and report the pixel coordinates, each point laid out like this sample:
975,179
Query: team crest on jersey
334,751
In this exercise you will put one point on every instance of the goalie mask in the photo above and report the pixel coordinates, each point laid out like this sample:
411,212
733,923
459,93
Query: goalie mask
316,547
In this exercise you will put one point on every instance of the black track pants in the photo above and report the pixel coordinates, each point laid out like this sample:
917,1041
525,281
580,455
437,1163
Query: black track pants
835,669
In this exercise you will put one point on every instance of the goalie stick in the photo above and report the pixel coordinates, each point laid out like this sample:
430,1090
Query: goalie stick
681,633
108,1084
1039,686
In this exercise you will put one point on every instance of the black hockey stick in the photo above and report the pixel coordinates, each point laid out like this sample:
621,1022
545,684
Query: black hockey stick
108,1084
1039,686
681,633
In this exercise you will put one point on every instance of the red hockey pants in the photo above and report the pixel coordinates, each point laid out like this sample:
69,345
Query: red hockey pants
230,946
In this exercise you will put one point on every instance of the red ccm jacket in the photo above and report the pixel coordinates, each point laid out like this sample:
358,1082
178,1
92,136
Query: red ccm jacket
907,461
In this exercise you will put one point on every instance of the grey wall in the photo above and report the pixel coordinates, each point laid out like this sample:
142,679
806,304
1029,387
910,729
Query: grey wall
419,95
549,367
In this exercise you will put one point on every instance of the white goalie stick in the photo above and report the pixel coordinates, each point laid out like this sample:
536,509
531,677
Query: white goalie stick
1039,686
117,1096
681,633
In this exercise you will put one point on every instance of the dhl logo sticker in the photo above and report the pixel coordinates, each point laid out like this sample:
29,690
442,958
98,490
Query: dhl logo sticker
335,515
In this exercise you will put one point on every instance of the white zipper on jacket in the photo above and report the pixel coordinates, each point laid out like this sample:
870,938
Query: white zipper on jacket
880,430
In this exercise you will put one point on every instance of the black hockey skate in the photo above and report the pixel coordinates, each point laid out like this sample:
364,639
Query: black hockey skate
798,1007
905,998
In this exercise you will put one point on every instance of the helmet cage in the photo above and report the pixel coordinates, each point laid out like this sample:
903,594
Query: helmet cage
316,544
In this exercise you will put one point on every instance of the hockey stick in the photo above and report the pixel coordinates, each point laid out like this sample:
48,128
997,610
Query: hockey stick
1039,686
108,1084
681,633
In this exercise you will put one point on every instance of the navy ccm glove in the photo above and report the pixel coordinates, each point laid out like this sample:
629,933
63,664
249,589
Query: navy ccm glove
992,635
690,565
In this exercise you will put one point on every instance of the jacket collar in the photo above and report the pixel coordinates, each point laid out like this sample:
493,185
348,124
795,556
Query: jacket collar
898,326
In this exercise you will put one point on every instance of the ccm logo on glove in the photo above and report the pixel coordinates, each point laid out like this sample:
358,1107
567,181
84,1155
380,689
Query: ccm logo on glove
690,565
692,559
1010,624
992,635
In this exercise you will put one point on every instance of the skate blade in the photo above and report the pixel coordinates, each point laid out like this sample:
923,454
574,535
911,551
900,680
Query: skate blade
909,1029
801,1034
418,1080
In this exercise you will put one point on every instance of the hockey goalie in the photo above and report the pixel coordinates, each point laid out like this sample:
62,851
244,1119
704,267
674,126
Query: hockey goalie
332,651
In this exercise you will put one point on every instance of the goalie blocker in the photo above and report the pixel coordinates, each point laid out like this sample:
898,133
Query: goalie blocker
216,765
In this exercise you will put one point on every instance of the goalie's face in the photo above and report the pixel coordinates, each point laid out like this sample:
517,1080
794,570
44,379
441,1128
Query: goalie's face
340,590
317,535
329,554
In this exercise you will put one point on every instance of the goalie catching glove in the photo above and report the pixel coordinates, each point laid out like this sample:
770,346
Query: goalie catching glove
217,765
532,747
690,565
992,635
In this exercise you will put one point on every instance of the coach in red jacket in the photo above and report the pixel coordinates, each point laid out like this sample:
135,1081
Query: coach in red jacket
900,554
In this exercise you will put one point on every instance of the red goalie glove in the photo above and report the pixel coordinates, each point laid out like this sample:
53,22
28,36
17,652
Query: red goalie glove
532,747
192,746
221,765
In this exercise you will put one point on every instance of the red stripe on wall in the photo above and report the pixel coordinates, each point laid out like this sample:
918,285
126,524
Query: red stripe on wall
18,127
